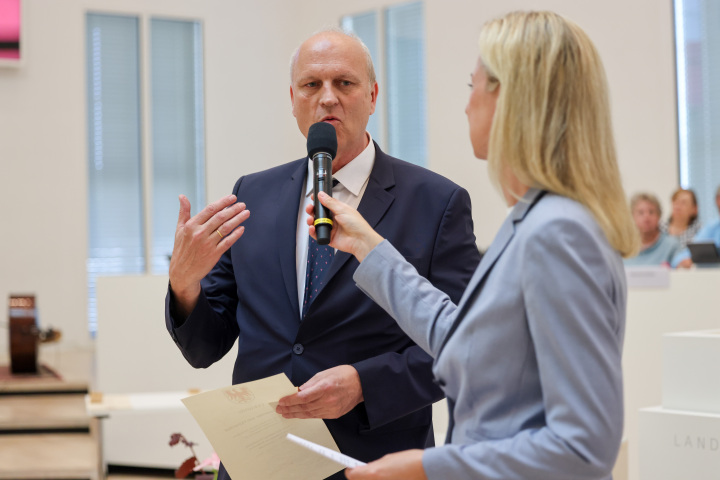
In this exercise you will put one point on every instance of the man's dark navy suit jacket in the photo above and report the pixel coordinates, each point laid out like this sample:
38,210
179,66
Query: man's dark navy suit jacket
251,296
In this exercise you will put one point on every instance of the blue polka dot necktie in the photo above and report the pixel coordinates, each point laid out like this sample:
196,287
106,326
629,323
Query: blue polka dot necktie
318,263
319,259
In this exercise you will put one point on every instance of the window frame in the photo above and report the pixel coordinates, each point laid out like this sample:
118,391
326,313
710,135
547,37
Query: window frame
145,72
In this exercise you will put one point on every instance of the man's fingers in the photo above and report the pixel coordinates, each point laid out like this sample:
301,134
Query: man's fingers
290,401
228,219
184,214
307,414
229,240
208,212
300,398
312,410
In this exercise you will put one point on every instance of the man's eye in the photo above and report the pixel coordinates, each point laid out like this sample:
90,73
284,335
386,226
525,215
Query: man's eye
345,83
311,84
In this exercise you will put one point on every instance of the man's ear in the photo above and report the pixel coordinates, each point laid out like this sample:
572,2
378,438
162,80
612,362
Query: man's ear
373,97
292,101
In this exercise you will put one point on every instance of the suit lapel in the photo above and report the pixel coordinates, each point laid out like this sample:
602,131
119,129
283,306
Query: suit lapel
286,227
375,202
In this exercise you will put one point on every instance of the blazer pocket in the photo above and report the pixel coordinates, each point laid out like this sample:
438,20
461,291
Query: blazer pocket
420,419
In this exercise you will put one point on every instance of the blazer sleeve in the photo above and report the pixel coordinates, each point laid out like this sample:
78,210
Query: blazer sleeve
210,330
424,312
408,374
575,308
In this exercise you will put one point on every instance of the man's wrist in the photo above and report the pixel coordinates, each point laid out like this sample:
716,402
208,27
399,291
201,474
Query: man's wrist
359,394
184,301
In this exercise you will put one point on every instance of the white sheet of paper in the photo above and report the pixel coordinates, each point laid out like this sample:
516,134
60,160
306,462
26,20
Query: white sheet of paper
250,437
340,458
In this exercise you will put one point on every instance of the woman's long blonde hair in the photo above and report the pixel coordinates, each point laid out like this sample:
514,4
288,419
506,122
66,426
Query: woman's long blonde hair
552,126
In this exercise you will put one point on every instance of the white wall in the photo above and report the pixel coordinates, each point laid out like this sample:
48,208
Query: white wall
635,40
43,232
43,238
43,183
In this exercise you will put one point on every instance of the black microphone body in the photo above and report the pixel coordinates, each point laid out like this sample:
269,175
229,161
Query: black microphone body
322,182
322,146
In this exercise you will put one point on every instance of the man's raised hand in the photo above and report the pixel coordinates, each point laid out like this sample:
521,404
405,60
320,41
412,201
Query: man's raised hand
199,243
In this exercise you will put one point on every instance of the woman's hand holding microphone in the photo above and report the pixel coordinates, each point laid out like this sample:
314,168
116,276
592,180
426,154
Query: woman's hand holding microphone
350,233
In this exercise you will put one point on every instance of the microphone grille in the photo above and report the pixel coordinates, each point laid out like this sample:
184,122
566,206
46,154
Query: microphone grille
321,138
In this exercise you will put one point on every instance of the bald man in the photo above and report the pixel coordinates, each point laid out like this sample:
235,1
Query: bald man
237,276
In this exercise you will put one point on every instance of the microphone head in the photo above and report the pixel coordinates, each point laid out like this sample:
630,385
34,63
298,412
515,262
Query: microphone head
321,138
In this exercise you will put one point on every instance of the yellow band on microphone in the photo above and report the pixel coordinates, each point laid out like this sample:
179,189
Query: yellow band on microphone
322,220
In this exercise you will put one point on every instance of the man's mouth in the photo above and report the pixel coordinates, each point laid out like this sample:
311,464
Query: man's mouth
330,119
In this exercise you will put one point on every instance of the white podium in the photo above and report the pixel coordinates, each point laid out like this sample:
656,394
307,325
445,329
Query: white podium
681,438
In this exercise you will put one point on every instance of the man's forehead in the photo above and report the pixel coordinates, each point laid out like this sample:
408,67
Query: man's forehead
330,54
329,40
334,68
326,65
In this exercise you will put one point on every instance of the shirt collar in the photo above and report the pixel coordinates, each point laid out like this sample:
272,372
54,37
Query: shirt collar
354,174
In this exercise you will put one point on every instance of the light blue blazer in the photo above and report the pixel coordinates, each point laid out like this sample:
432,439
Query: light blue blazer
530,359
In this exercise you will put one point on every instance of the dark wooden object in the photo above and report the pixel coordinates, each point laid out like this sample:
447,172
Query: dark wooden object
24,336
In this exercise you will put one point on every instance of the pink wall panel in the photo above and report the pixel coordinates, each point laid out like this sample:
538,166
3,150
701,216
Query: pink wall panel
10,29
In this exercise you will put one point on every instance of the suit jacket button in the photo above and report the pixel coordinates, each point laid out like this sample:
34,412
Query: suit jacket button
298,349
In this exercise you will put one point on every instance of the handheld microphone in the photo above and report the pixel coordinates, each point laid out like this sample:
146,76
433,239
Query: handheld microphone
322,147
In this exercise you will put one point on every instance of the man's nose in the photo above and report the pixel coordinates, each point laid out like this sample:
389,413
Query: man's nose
329,97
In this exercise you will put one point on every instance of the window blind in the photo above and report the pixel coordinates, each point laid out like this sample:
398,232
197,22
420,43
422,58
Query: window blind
118,217
399,123
365,26
178,148
115,222
405,66
697,33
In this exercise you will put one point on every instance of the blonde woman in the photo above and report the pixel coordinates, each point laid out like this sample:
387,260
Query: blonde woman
530,357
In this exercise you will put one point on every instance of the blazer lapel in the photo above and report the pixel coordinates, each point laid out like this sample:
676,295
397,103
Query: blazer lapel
503,237
286,226
375,202
497,247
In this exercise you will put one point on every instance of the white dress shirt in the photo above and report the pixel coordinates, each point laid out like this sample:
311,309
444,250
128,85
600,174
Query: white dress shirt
352,182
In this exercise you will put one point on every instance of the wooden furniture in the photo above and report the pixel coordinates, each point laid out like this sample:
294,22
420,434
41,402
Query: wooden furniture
23,334
45,431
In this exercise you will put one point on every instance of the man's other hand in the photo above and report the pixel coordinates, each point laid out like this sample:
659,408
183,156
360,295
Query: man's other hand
329,394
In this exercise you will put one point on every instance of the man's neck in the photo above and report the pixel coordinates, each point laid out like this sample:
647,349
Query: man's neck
649,238
347,156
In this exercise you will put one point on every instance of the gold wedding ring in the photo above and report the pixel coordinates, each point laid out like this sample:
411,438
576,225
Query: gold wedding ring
218,232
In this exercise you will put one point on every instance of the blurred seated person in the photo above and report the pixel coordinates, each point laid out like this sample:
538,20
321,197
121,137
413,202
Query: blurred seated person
683,224
711,232
657,248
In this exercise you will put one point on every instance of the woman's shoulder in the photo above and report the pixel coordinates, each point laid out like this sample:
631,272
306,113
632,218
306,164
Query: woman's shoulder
562,222
554,209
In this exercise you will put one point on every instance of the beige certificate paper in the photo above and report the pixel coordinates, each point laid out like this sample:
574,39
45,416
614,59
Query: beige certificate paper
250,438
